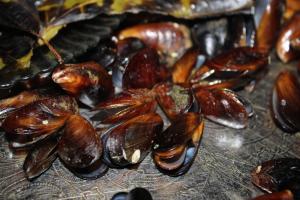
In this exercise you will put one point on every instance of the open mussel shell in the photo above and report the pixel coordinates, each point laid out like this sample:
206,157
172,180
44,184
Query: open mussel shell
269,26
224,107
173,99
176,148
233,69
134,194
144,70
40,158
161,36
124,106
277,175
131,141
38,120
88,82
288,33
80,148
285,102
10,104
283,195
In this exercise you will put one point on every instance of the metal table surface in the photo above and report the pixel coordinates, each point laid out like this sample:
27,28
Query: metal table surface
220,171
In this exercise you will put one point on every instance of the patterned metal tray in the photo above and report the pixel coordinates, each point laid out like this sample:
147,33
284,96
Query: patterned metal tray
220,171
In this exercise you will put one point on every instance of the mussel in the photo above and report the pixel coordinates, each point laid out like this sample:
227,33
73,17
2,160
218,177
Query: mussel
224,107
176,148
288,33
10,104
278,175
161,36
134,194
174,100
144,70
124,106
80,148
233,69
269,25
285,102
283,195
131,141
40,158
38,120
88,82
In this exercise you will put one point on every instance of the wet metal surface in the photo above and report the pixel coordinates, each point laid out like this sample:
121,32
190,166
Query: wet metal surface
220,171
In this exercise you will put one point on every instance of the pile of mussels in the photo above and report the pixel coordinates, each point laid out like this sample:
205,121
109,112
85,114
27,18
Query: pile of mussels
103,84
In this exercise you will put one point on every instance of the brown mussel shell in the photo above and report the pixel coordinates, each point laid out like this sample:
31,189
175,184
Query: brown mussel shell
277,175
269,25
38,120
289,32
173,99
130,142
161,36
285,102
283,195
89,82
176,148
233,69
40,158
224,107
124,106
80,148
10,104
144,70
292,7
184,66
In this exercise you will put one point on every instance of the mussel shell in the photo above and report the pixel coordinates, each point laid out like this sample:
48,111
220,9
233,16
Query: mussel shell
289,32
40,158
10,104
283,195
88,82
269,25
233,69
176,148
285,102
144,70
134,194
277,175
173,99
131,141
224,107
214,36
184,66
80,146
124,106
38,119
161,36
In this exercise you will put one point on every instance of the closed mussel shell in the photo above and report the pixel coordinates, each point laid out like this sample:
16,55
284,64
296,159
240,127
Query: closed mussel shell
80,148
224,107
144,70
40,158
88,82
176,148
130,142
10,104
38,120
285,102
